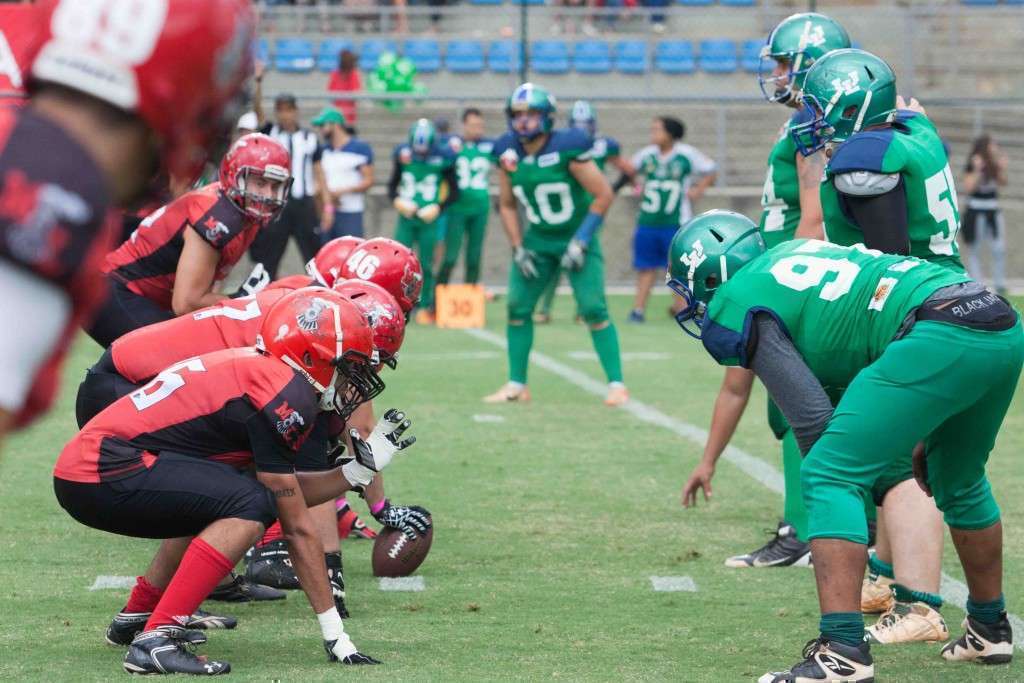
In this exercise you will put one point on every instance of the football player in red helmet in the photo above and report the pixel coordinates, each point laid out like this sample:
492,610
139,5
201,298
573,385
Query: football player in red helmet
114,97
174,261
326,266
174,476
390,264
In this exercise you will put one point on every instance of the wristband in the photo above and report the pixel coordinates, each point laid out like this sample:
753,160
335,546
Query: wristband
377,507
591,222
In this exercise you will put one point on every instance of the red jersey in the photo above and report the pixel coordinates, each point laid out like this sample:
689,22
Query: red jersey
147,262
347,82
54,223
141,354
237,406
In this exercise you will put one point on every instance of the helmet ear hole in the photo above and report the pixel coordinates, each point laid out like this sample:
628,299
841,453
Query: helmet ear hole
711,282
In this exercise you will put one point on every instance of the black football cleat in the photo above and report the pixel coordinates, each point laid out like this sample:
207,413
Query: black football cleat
202,619
127,625
354,659
783,550
242,590
164,651
271,566
828,662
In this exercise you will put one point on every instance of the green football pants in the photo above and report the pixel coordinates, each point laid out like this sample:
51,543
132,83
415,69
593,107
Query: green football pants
587,283
946,385
415,234
472,226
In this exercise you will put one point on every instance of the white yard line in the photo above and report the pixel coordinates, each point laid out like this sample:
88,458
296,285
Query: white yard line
487,418
413,584
953,591
673,584
109,582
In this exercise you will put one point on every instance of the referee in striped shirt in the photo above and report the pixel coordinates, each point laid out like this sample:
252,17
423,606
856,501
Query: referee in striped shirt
299,218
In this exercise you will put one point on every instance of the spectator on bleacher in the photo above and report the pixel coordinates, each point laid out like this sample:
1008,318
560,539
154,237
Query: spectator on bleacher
657,18
574,22
346,79
347,167
299,218
983,222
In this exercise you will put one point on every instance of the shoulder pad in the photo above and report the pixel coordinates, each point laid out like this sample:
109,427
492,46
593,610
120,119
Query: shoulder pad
571,139
485,146
866,183
863,152
504,142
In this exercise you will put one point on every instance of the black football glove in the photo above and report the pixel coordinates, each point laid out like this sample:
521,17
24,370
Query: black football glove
412,521
337,580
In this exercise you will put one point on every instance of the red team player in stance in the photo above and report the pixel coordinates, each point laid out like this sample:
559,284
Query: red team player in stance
165,460
109,104
173,262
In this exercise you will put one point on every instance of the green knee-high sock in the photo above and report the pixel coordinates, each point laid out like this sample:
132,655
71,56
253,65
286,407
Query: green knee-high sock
904,594
794,510
606,344
843,627
877,567
520,339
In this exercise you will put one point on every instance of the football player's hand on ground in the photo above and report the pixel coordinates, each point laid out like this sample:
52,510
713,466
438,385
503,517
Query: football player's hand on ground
523,259
574,256
412,521
405,207
919,462
344,651
429,213
254,284
700,479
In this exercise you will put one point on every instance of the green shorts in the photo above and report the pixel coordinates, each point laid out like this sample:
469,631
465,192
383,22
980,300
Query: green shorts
946,385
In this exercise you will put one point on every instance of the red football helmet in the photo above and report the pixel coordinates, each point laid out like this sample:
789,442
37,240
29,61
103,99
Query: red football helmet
261,156
390,264
326,266
383,313
177,64
327,339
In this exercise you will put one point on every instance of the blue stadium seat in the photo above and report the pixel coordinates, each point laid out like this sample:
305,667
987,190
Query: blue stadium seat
424,53
696,3
371,50
979,2
592,57
674,57
739,3
263,52
464,57
293,55
327,57
549,57
750,56
631,56
718,56
486,2
527,2
504,56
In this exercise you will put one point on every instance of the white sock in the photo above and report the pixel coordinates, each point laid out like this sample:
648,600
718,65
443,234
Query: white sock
517,386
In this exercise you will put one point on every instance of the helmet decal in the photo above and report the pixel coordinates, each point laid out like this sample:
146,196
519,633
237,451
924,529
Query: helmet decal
308,319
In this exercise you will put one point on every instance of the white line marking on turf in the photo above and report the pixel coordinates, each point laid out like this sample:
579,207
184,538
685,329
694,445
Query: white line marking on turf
488,419
107,582
953,591
673,584
403,583
626,355
454,355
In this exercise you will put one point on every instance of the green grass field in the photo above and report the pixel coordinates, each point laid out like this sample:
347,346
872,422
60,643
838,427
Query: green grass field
548,526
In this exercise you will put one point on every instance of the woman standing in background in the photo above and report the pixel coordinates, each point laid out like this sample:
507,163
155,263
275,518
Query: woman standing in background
344,79
983,221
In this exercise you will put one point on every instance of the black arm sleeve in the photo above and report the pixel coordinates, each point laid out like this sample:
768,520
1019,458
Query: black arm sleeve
453,186
267,452
621,183
882,218
789,382
396,177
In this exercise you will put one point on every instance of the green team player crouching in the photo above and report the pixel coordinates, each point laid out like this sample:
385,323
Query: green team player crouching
930,360
550,174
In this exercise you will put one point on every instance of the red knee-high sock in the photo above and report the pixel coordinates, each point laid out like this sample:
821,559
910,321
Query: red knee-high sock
273,533
144,596
202,568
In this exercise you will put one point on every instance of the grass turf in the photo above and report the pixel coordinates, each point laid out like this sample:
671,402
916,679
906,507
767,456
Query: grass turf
548,527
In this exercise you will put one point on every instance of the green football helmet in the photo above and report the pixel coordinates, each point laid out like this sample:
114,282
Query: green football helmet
844,92
584,117
704,254
422,135
799,40
530,97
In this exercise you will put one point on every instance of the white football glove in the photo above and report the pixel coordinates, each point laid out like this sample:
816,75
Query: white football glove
254,284
523,259
429,213
405,207
375,452
574,256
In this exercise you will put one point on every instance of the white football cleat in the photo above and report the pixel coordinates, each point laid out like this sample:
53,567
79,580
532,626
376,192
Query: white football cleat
876,595
982,643
908,622
509,393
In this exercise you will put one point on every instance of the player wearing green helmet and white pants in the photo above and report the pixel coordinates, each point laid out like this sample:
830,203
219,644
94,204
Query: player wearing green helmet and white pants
563,195
887,185
604,150
422,185
790,208
930,361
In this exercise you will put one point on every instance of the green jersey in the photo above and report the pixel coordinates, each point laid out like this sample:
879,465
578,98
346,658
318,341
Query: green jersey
841,306
552,199
421,179
912,148
667,179
780,200
603,149
473,169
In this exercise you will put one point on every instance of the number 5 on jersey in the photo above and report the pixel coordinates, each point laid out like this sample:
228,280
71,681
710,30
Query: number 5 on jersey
165,384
